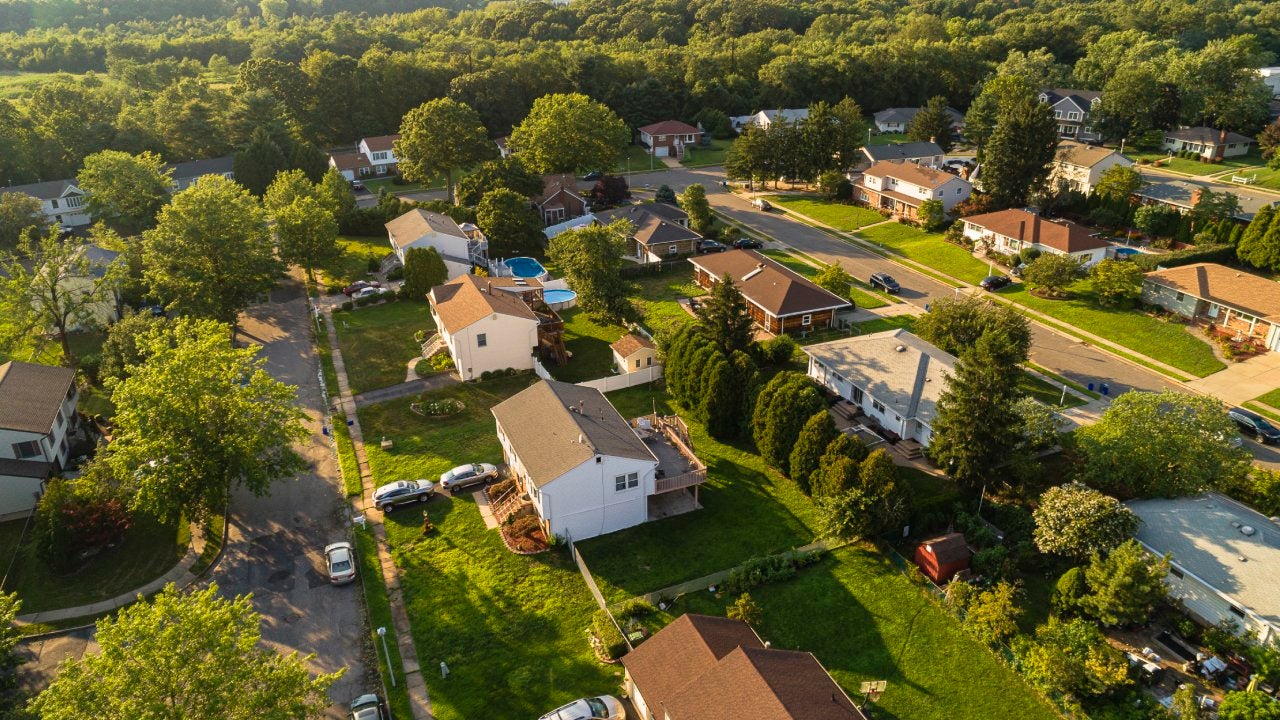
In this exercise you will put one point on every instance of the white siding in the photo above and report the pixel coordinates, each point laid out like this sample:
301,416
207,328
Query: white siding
583,503
1210,606
509,343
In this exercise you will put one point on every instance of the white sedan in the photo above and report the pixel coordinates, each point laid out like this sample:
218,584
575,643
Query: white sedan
369,292
341,560
592,708
467,475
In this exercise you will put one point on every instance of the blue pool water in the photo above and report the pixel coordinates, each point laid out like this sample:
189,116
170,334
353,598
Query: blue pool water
525,267
1126,251
552,297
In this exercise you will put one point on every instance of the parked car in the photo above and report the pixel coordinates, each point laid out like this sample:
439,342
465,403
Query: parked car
747,244
592,708
403,492
1256,426
467,475
369,707
359,285
357,186
885,282
762,204
341,561
710,246
593,175
994,282
369,292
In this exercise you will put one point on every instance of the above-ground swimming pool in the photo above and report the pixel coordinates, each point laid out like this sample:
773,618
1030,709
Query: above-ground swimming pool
560,299
1126,252
525,267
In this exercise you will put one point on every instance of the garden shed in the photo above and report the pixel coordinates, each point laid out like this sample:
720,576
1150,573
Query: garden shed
942,558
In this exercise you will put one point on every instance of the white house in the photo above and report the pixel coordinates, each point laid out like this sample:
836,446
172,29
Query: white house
1081,166
1009,231
669,138
373,157
37,414
485,327
902,187
633,352
1224,559
895,377
1271,76
765,118
1072,109
896,120
1208,143
461,246
64,204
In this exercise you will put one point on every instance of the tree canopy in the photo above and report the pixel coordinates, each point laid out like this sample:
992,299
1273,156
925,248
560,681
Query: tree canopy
125,190
441,137
567,133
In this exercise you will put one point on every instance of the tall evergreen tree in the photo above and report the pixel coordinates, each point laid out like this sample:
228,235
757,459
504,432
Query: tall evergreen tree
781,410
818,432
974,432
725,317
839,468
1020,151
933,123
257,163
1260,242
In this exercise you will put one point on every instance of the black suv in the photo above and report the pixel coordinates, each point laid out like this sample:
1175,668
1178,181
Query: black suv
1251,423
885,282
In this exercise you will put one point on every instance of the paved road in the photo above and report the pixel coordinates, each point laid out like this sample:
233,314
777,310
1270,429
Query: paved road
274,542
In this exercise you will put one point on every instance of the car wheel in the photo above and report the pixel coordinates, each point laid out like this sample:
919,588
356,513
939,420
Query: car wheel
387,507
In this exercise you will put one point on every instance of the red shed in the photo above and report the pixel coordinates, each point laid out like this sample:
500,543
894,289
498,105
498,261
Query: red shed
942,557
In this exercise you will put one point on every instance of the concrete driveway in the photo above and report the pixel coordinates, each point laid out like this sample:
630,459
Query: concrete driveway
1243,380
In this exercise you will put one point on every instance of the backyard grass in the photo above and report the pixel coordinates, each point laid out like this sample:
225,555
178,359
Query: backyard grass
928,249
352,263
863,298
887,138
377,341
747,511
706,156
1167,342
589,342
509,627
148,550
847,218
1045,392
656,296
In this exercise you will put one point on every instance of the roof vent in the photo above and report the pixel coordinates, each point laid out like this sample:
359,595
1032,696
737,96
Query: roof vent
1247,531
1235,524
581,440
901,348
759,269
1242,558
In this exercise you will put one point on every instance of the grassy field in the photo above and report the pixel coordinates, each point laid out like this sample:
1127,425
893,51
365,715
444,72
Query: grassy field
656,297
861,295
1197,168
888,138
148,550
1167,342
847,218
377,341
1045,392
15,83
589,342
928,249
353,262
509,627
704,157
747,511
635,159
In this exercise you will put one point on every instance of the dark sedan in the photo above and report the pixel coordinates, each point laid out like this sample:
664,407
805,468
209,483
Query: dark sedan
747,244
994,282
1253,424
710,246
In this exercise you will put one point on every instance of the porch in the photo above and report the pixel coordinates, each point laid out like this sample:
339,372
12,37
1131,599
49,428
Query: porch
679,472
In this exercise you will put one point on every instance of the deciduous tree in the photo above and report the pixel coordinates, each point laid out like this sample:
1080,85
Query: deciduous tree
184,656
124,190
509,173
931,214
565,133
513,227
694,202
1076,521
306,232
834,278
1116,282
1118,182
1072,659
19,212
956,324
591,260
1052,272
440,137
1248,705
423,270
1124,585
992,615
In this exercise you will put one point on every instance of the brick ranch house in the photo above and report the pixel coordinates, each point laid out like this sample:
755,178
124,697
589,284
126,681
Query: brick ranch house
1232,300
669,137
779,300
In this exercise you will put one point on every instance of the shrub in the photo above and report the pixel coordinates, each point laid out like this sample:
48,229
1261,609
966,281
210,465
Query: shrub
396,273
71,518
347,305
779,350
525,525
423,368
612,644
502,487
374,265
746,610
1028,254
441,362
767,569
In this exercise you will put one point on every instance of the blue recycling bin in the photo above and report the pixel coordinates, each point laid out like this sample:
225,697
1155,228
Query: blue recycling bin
1106,389
326,429
1090,387
353,422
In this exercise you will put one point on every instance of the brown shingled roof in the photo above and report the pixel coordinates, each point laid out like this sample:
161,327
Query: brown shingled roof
31,395
775,288
467,299
763,684
676,655
670,127
418,222
381,142
1208,281
1070,152
925,177
349,161
630,343
1061,235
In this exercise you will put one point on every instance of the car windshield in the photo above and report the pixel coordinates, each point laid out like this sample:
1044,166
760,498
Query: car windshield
597,707
341,566
1263,425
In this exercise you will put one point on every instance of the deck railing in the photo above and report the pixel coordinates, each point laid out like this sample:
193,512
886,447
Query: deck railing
677,433
679,482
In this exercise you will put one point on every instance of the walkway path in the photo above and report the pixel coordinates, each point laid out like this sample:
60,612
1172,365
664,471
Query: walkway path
404,389
415,684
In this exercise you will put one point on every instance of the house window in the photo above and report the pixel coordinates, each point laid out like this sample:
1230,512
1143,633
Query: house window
806,319
633,480
54,203
482,340
1057,114
75,201
856,394
24,450
619,483
662,138
1180,297
637,363
380,155
648,362
958,190
1073,116
1237,611
877,406
672,249
939,193
688,138
1175,571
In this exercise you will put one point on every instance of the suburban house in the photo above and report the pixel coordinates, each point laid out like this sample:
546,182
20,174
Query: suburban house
37,416
373,156
63,203
460,246
492,324
1081,166
1271,76
765,118
1009,231
106,311
1230,299
669,138
779,299
1207,143
1223,559
920,153
185,174
633,352
560,200
902,187
896,120
894,377
574,224
714,668
1072,109
653,238
585,469
943,557
1182,195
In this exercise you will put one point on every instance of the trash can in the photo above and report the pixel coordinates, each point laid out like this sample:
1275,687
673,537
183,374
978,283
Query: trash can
1106,389
1090,387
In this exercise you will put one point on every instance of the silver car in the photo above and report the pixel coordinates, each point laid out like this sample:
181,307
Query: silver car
592,708
369,707
341,561
402,492
467,475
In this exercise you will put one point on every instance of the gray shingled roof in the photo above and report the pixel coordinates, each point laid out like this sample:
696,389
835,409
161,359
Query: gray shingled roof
31,395
896,367
199,168
901,151
551,439
47,190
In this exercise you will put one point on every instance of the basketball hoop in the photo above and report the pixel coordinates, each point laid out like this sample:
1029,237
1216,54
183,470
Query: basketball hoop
871,691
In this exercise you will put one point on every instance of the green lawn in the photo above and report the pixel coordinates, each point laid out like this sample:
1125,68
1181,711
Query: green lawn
509,627
1261,176
1045,392
379,608
148,550
847,218
656,296
747,511
376,185
1272,398
377,341
1167,342
353,262
928,249
892,322
704,157
348,465
1197,168
636,159
589,342
861,295
887,138
15,84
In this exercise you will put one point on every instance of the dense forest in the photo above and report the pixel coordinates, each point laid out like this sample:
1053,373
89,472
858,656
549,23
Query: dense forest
196,78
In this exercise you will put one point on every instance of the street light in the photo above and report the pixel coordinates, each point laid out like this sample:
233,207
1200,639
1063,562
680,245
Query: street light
382,633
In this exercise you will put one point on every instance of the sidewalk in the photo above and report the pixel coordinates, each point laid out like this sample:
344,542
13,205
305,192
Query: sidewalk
180,575
415,685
